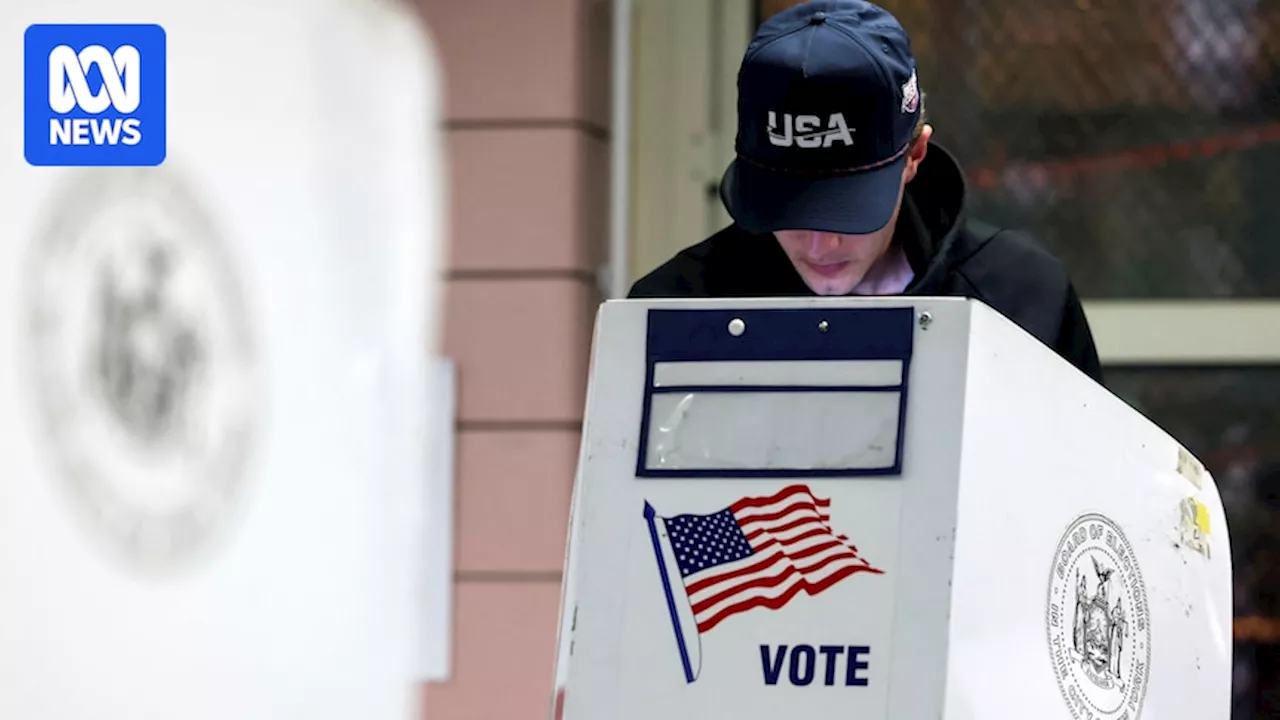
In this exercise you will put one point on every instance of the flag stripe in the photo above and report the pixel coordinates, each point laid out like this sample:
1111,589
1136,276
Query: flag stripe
749,503
772,574
753,511
774,515
760,538
797,547
775,602
771,515
795,520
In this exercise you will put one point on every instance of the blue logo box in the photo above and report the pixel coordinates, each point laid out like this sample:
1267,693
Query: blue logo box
94,95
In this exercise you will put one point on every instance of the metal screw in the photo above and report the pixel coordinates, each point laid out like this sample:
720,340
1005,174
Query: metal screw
822,326
925,318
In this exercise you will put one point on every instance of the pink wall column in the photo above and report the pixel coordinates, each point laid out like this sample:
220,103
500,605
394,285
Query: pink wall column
527,106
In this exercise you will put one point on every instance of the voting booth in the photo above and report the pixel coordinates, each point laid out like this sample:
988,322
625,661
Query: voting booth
217,371
879,508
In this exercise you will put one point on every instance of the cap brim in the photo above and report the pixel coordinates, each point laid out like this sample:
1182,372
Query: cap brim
859,203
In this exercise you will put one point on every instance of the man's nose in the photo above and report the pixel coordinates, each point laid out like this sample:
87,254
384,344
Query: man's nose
823,242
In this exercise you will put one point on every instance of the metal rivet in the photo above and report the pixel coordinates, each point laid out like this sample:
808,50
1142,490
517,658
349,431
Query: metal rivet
822,326
737,327
925,319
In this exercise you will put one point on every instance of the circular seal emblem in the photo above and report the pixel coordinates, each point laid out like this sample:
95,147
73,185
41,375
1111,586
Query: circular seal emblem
142,359
1099,626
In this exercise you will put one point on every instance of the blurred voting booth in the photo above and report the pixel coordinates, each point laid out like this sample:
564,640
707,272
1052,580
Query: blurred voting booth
218,371
881,509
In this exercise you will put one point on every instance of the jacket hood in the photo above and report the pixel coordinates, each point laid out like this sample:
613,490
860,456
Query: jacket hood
934,210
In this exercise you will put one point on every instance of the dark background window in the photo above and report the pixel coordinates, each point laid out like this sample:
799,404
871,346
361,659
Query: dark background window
1138,139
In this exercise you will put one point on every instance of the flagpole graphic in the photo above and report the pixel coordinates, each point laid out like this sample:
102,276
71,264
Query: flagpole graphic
649,516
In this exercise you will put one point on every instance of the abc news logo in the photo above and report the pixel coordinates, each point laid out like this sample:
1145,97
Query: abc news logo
95,95
69,89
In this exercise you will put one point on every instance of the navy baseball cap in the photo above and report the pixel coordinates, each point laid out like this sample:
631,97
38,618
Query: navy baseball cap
827,105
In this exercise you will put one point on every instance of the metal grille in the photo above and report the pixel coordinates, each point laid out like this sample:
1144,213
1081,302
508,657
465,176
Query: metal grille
1138,139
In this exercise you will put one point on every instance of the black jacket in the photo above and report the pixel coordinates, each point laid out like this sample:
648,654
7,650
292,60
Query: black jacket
950,253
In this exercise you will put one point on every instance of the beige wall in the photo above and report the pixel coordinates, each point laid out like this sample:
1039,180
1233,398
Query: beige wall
527,106
771,7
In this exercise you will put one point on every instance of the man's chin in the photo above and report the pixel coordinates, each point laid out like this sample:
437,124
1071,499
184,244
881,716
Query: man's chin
832,287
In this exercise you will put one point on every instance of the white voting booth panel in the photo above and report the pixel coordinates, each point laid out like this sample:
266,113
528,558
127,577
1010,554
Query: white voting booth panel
880,509
217,376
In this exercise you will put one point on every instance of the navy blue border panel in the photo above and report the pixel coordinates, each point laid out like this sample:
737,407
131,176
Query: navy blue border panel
851,334
778,335
775,388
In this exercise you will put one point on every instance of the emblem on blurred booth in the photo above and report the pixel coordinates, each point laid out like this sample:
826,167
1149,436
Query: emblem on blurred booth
1098,622
142,359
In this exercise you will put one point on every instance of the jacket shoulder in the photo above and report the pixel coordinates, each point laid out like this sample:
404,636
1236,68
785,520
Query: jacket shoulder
1017,277
1009,267
988,244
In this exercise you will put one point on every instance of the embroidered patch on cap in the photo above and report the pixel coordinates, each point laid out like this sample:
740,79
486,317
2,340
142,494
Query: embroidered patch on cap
910,94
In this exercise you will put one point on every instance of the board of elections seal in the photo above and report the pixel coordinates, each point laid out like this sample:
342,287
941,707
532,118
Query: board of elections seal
142,361
1098,622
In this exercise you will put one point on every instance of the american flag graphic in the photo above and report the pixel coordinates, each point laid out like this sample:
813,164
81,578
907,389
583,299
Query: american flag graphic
759,552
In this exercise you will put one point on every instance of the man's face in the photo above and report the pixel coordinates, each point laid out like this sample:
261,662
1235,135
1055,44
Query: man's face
834,264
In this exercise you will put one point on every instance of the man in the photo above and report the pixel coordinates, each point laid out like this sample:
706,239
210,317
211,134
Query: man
838,190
